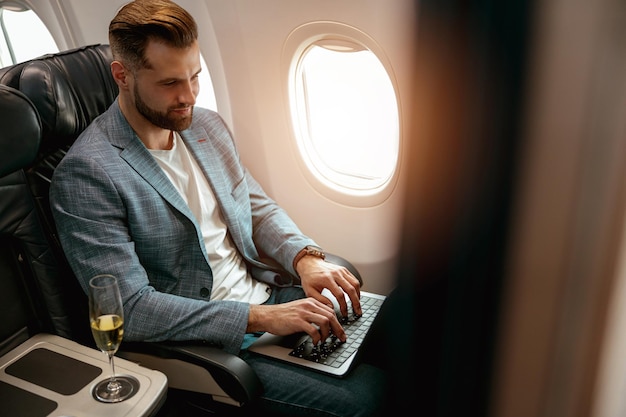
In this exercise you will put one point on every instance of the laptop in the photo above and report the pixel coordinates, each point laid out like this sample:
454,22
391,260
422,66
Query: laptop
331,357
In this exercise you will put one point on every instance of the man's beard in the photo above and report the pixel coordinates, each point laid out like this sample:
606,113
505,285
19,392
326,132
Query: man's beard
161,119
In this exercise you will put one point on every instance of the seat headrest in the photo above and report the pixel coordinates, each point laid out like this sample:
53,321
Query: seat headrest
20,130
69,90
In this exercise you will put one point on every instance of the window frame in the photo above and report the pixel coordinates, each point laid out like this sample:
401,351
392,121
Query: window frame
296,45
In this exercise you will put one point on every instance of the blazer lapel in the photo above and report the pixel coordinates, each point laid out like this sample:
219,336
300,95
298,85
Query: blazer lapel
137,156
210,161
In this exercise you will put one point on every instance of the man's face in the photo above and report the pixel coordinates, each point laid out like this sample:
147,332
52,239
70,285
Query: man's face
165,93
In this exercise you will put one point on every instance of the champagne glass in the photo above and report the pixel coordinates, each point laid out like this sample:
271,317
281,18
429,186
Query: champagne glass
106,317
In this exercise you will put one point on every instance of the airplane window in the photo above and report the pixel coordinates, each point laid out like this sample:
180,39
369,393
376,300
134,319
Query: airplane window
20,26
347,116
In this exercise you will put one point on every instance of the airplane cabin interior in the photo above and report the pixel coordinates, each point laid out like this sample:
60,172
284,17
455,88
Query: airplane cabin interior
466,159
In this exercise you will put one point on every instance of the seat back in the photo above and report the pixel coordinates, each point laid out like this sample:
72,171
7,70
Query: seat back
68,90
23,246
35,304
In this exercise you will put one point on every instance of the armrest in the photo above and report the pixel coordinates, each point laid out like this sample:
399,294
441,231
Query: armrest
197,367
338,260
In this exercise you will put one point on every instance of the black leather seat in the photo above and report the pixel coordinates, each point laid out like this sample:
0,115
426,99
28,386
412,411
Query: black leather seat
69,89
28,262
36,326
23,246
62,113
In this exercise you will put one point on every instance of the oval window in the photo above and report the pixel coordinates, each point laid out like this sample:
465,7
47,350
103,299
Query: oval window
346,116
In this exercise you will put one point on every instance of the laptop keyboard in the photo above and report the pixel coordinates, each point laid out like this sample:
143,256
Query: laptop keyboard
332,351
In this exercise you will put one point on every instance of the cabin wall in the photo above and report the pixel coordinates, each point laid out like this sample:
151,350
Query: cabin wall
255,76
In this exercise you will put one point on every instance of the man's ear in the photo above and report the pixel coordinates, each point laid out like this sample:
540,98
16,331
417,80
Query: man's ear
120,74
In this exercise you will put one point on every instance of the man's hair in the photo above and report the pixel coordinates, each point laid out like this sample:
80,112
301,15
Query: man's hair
141,21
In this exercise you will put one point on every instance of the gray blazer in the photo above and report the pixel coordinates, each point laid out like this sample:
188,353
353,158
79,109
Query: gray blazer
117,212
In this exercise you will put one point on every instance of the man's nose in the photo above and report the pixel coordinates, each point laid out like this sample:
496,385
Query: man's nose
188,93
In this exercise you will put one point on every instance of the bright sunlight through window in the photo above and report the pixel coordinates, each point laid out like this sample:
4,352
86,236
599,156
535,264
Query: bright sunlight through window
206,97
348,116
23,37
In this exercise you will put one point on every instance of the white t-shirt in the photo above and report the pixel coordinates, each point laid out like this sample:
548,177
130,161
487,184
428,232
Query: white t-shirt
231,280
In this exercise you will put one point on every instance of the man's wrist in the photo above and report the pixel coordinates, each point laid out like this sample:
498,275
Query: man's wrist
255,318
309,250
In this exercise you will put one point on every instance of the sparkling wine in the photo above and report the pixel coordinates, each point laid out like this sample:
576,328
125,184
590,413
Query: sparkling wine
108,331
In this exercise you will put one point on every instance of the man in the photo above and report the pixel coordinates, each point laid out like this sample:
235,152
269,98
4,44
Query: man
154,193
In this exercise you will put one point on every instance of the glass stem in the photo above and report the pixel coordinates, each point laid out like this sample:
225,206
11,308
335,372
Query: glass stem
113,385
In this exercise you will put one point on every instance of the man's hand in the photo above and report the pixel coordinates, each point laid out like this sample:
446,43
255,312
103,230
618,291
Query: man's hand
305,315
317,274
